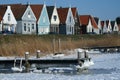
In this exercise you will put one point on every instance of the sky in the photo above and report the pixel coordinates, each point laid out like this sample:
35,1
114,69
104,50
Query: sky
104,9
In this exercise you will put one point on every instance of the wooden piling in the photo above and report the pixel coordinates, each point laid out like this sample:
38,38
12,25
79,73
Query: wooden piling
86,54
38,54
78,58
78,55
27,65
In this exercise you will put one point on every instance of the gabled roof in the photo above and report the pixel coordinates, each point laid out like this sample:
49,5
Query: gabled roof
17,9
37,9
96,19
1,18
85,20
112,24
3,9
50,11
107,22
62,13
74,11
102,24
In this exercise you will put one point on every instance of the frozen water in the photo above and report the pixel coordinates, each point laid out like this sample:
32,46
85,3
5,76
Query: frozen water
106,67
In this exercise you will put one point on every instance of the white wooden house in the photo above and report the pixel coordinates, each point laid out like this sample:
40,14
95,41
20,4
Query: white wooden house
54,19
67,22
109,27
98,22
26,20
8,21
115,28
88,24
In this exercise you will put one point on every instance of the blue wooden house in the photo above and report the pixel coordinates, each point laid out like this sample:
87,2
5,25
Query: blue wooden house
43,24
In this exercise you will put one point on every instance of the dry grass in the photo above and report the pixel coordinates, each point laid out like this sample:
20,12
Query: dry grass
17,45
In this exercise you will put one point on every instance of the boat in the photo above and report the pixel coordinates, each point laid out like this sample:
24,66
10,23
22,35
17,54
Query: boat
58,55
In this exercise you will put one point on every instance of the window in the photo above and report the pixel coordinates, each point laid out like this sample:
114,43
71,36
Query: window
70,28
70,18
8,16
55,17
29,27
24,26
32,26
29,14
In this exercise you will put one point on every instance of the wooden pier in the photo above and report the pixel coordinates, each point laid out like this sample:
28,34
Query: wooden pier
44,63
103,49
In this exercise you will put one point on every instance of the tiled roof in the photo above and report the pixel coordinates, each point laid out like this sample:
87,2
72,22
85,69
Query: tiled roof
0,18
50,11
96,19
3,9
84,19
37,9
62,12
74,11
18,10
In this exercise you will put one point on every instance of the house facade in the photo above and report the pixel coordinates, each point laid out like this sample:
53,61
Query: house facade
26,21
109,27
43,24
54,19
76,19
115,28
98,22
8,21
88,25
66,21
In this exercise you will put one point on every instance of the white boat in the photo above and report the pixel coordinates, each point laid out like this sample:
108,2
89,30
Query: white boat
17,68
58,55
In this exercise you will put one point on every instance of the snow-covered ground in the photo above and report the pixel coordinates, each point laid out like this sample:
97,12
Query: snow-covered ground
106,67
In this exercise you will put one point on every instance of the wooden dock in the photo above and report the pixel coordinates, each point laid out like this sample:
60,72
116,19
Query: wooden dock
43,63
103,49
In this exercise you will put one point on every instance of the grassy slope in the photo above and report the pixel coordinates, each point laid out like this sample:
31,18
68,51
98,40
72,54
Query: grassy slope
17,45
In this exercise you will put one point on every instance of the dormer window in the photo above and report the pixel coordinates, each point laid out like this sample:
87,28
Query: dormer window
9,17
70,18
29,15
55,17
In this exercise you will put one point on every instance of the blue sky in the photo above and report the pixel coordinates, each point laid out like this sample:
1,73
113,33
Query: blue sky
104,9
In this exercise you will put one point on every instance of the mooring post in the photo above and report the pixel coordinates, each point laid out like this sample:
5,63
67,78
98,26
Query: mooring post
78,58
86,54
27,65
38,54
78,55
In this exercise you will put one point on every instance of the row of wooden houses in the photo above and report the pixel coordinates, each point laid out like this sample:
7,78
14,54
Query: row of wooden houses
41,19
